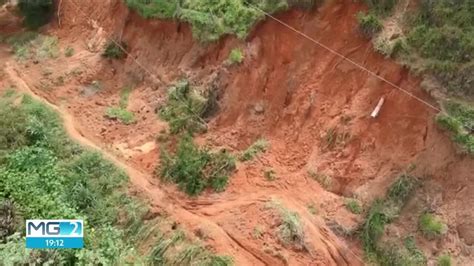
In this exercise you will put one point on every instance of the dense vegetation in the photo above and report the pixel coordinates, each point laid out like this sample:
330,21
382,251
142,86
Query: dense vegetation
36,13
195,169
212,19
458,118
443,35
45,175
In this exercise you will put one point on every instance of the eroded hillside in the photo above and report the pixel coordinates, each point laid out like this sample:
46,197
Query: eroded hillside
310,161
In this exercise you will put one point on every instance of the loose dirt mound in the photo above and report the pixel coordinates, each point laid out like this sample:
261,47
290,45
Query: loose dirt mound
309,104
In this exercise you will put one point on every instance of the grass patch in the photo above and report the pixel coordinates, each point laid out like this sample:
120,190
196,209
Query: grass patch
185,109
381,213
198,255
442,35
124,95
369,24
258,147
353,206
324,180
46,47
114,51
30,45
120,112
291,229
458,118
236,56
117,113
212,19
194,169
431,226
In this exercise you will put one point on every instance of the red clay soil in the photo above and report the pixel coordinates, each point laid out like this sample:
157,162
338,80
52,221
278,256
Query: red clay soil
289,91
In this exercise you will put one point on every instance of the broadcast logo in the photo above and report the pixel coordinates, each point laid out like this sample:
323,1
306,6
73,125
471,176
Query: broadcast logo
54,234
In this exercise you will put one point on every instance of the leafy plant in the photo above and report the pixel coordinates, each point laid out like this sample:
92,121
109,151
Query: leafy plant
353,206
185,109
259,146
458,118
195,169
431,226
369,24
236,56
115,50
444,260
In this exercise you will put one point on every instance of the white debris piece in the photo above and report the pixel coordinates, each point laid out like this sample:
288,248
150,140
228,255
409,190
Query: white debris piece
376,111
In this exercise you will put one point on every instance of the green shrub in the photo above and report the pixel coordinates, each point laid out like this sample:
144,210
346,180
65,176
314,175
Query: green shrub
236,56
114,51
458,118
259,146
36,13
353,206
185,109
195,169
369,24
444,260
400,191
123,115
431,226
